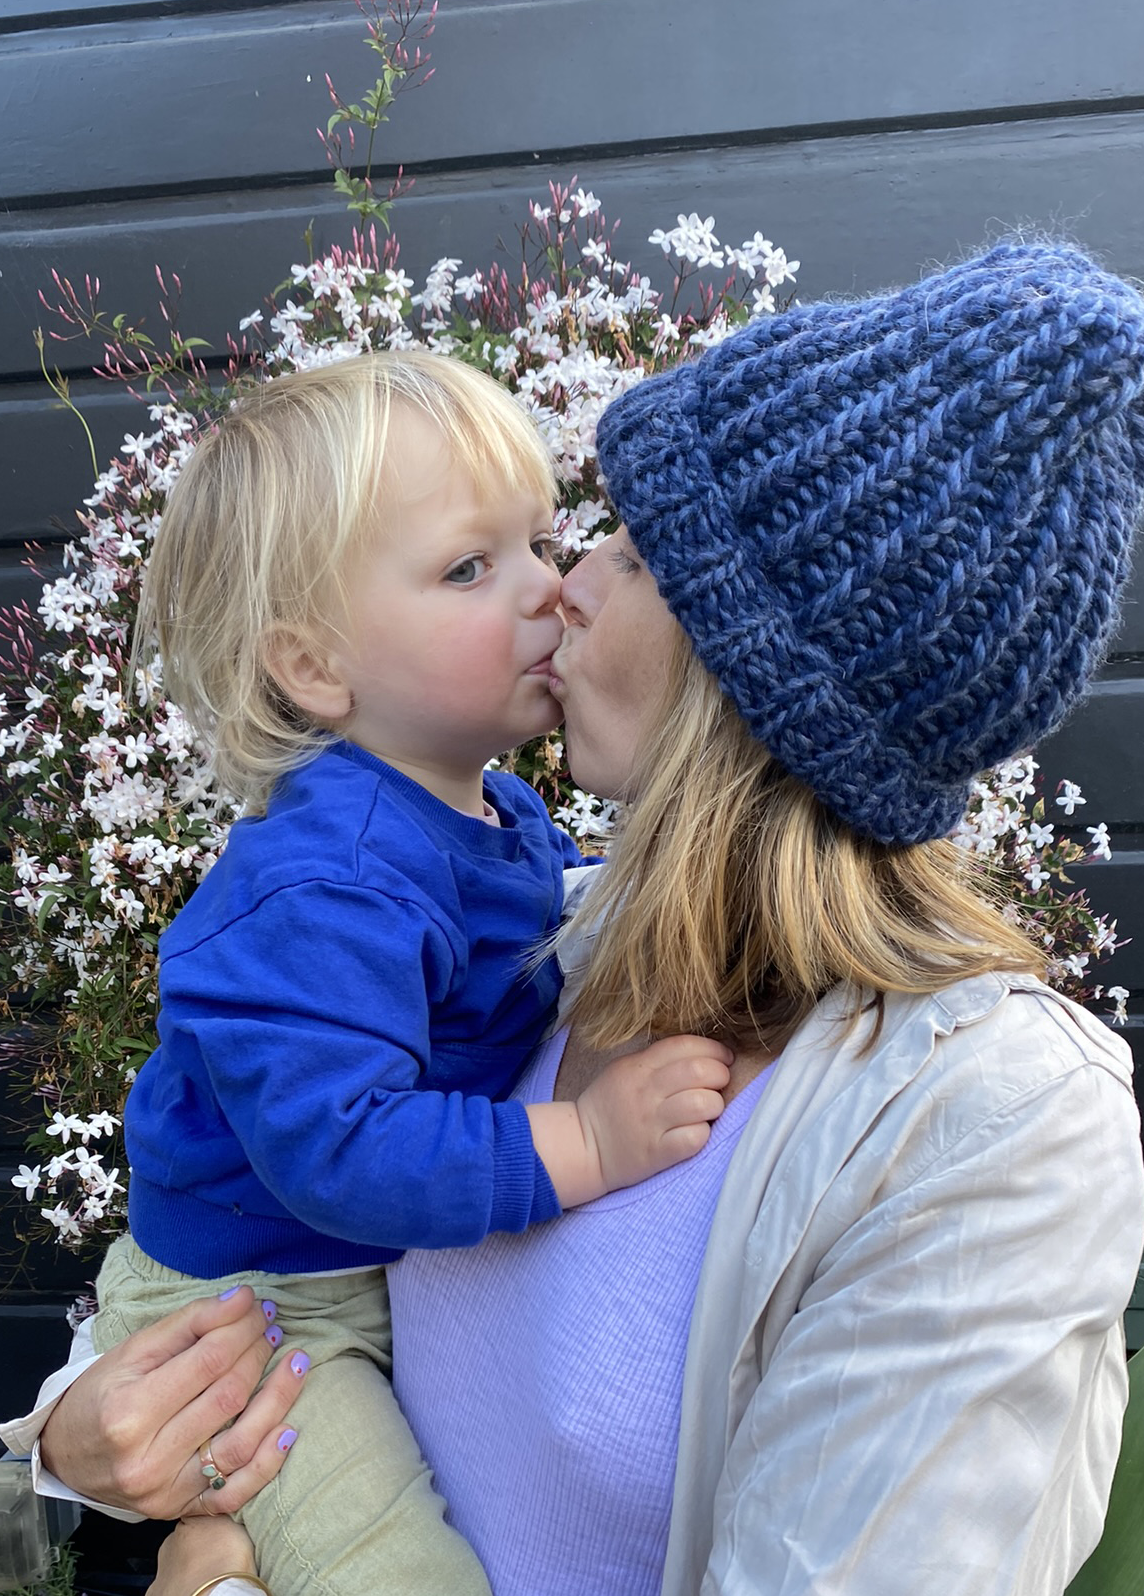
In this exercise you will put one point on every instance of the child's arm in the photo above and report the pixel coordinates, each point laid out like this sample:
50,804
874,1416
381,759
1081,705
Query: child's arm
642,1114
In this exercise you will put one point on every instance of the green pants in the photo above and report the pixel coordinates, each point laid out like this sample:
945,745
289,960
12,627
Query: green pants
353,1512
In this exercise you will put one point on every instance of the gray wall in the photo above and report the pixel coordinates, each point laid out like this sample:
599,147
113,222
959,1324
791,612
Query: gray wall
869,139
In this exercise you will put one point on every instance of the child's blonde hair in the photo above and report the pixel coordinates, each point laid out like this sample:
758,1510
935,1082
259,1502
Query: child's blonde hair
266,519
733,899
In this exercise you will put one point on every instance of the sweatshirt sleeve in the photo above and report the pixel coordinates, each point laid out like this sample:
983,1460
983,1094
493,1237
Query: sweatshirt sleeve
310,1017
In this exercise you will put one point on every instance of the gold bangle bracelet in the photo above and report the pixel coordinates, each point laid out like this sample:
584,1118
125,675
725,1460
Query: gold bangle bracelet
251,1579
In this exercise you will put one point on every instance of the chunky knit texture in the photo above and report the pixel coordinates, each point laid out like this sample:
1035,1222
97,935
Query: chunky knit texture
896,530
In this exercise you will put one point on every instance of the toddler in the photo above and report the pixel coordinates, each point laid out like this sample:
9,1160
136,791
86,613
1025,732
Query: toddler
355,600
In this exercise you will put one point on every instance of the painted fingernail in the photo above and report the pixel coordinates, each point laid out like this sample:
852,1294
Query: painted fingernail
225,1296
286,1440
273,1335
270,1309
299,1363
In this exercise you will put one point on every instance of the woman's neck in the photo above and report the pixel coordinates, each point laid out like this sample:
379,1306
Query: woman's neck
581,1064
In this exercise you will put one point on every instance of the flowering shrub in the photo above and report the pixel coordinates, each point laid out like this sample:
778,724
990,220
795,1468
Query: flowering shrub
110,805
1029,861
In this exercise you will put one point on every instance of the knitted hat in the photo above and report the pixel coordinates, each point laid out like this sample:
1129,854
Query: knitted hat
896,530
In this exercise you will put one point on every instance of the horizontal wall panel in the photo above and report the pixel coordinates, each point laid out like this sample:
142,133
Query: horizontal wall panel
1101,747
651,80
18,584
858,212
1116,889
19,16
45,465
36,1341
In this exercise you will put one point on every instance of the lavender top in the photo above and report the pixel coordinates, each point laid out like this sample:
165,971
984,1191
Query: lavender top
542,1373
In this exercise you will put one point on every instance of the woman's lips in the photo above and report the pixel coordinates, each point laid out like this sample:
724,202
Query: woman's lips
555,680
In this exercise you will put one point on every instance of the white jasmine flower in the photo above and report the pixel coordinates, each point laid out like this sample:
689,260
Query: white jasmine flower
468,288
27,1181
135,750
1069,796
65,1126
63,1221
101,1124
777,269
1101,843
586,815
1119,996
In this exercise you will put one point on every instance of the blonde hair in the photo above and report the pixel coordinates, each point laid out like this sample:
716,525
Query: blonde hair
733,900
265,520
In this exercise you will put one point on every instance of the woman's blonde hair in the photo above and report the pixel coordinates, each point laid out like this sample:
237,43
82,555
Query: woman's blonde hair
733,900
265,521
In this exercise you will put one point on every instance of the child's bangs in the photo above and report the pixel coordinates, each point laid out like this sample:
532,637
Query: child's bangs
485,430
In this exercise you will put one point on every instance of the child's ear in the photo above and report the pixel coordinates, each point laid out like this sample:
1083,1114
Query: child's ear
308,673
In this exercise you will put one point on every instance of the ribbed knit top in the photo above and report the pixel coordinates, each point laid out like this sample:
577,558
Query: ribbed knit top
552,1364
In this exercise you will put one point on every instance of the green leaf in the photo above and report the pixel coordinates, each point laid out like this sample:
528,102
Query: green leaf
46,908
1116,1567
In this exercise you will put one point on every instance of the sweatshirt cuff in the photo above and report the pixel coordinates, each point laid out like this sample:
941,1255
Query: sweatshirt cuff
522,1192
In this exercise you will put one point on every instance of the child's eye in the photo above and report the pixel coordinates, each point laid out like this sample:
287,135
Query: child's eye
468,570
544,547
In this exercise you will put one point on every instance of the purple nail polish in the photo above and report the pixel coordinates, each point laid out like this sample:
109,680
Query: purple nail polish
270,1309
299,1363
273,1335
286,1440
225,1296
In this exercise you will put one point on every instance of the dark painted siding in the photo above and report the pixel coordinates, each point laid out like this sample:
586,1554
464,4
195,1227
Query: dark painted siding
869,140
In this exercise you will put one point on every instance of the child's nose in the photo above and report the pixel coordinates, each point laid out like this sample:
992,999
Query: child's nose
547,592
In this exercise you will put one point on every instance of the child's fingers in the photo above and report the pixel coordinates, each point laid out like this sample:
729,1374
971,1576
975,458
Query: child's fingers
684,1141
689,1071
693,1106
672,1049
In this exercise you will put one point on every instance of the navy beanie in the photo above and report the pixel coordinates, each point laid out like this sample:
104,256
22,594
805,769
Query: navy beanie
896,530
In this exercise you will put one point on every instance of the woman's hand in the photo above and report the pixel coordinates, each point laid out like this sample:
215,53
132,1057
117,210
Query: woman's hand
198,1550
128,1432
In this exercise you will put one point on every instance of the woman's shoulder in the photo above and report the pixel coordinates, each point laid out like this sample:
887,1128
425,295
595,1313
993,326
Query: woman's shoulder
1025,1029
942,1065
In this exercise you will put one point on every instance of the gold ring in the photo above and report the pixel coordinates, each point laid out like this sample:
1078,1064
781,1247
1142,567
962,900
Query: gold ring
210,1469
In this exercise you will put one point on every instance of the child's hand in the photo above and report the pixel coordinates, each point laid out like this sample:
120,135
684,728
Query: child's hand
642,1114
650,1110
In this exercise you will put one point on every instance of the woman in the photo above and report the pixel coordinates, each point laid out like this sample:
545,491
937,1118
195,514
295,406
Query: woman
868,1340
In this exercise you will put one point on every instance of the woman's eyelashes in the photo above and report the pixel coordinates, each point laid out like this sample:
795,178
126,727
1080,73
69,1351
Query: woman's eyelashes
621,559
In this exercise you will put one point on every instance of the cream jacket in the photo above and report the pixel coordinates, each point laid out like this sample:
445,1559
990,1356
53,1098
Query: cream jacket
905,1374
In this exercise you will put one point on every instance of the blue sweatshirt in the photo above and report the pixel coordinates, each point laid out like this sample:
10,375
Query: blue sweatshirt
342,1006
